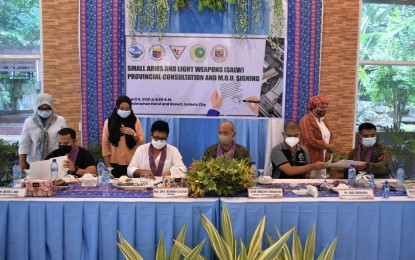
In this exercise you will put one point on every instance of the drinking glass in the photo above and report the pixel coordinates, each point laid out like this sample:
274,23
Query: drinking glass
325,185
109,168
67,176
144,178
27,171
371,182
260,176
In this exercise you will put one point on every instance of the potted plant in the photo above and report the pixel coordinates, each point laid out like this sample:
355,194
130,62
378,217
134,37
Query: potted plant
220,176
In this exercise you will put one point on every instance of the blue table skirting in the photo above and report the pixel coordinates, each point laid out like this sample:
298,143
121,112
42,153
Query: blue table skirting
365,230
88,229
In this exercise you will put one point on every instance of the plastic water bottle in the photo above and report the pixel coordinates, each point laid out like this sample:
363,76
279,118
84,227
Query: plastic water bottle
17,176
100,167
386,190
105,182
351,176
400,176
54,170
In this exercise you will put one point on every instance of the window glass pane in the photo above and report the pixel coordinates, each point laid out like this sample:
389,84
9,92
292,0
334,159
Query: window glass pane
387,31
386,96
19,27
20,70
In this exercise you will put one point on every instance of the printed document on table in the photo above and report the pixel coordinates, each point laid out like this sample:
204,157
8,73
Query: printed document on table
41,170
346,163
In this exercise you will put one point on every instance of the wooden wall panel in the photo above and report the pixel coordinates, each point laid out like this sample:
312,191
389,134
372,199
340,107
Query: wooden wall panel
61,66
338,67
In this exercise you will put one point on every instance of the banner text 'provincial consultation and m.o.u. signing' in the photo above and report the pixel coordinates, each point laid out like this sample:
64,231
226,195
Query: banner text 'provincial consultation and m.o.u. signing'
186,75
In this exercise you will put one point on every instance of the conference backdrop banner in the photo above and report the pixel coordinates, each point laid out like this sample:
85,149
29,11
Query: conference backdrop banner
195,75
104,53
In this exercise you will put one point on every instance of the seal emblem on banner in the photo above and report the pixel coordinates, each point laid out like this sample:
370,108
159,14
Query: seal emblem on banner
219,53
177,50
136,52
198,53
157,52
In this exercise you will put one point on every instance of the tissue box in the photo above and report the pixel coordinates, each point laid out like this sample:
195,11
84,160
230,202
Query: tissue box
39,188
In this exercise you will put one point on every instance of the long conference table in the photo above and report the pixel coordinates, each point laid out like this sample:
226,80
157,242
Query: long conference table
82,228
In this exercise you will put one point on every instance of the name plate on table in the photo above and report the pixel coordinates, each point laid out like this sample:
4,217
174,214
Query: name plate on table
356,194
262,193
12,192
410,193
170,192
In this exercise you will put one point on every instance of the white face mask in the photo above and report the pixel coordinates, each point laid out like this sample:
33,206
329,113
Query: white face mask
158,144
44,113
369,141
292,141
123,113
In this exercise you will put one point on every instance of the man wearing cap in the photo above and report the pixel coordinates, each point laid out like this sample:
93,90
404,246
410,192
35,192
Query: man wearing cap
39,134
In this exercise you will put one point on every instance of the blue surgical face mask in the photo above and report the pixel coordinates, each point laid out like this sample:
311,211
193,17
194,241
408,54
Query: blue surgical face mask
123,113
44,113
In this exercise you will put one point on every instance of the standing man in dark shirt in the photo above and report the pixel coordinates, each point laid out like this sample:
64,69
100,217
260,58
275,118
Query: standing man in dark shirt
80,160
289,159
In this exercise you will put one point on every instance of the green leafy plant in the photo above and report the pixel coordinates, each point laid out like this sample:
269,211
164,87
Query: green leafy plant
96,150
225,246
402,149
153,14
297,251
8,155
241,18
181,4
257,15
211,4
135,9
220,175
277,25
131,254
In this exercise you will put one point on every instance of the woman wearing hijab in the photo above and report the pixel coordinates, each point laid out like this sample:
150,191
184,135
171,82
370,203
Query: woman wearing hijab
315,134
121,136
39,134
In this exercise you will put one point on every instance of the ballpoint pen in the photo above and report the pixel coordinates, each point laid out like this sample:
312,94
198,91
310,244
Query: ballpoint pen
251,101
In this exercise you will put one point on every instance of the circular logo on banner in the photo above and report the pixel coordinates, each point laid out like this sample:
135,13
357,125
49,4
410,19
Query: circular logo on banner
219,53
198,53
136,52
157,52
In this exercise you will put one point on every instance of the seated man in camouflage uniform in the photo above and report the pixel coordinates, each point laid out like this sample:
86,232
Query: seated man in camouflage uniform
226,144
376,155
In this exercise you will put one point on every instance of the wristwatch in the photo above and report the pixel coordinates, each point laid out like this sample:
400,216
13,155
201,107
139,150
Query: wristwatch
76,169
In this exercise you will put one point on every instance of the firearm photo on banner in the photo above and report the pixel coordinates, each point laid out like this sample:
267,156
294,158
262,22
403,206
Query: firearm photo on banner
272,88
197,71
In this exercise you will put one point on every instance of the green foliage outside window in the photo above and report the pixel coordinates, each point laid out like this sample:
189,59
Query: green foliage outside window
19,25
388,34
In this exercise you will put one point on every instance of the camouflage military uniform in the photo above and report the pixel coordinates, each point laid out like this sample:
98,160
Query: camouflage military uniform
379,161
240,153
